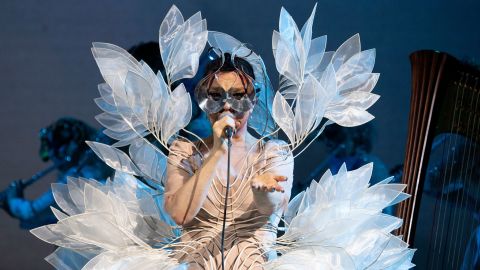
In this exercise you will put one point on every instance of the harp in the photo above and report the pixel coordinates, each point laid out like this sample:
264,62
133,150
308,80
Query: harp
441,167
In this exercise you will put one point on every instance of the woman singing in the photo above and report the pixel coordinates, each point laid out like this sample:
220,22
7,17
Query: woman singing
216,203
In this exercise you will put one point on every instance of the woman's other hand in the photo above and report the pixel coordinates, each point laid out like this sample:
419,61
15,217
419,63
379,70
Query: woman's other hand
268,182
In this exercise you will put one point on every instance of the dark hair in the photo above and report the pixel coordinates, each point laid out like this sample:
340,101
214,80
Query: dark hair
149,52
227,65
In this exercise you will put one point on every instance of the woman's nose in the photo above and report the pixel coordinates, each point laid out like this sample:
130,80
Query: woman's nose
227,106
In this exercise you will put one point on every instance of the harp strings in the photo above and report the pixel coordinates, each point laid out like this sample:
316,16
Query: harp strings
439,230
462,181
465,201
456,183
476,155
459,161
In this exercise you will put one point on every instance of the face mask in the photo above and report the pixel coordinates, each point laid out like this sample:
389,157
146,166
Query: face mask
227,54
217,89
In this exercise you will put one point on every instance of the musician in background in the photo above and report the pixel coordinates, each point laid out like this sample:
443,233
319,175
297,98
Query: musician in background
351,146
62,143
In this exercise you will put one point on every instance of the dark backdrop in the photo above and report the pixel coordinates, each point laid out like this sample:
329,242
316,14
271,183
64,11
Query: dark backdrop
47,71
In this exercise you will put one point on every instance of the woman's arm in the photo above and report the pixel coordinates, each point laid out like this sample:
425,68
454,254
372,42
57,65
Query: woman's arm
186,194
184,203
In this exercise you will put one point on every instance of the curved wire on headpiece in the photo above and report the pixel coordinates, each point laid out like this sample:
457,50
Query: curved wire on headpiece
210,99
261,120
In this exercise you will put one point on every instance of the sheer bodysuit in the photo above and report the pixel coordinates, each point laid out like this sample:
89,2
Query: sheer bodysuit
249,230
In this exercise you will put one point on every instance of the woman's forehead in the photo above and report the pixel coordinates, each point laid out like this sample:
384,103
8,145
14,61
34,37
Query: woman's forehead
230,80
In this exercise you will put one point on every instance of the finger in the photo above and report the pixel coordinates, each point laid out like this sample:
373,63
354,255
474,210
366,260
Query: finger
223,122
258,186
280,178
279,188
227,120
273,188
255,185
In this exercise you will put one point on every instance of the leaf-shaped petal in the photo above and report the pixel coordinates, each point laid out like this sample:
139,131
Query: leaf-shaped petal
105,106
189,43
113,157
329,82
306,31
283,115
362,82
358,99
308,107
286,22
168,30
316,53
287,62
112,122
178,113
348,49
139,94
106,93
350,117
291,41
359,63
149,159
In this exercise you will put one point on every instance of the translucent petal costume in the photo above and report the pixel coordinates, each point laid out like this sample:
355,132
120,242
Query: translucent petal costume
336,223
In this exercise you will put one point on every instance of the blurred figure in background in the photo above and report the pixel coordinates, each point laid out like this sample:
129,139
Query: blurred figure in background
351,146
62,143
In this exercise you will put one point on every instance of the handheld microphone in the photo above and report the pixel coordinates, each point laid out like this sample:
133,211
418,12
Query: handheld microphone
228,132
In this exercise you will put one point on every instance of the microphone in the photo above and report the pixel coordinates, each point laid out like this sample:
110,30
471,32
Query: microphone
228,131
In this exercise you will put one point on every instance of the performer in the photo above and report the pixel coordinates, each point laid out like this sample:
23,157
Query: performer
259,191
63,143
227,195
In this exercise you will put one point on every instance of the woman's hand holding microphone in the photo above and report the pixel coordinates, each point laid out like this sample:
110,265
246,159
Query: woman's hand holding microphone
224,121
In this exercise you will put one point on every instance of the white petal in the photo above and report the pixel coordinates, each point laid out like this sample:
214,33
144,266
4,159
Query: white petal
283,116
113,157
348,49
